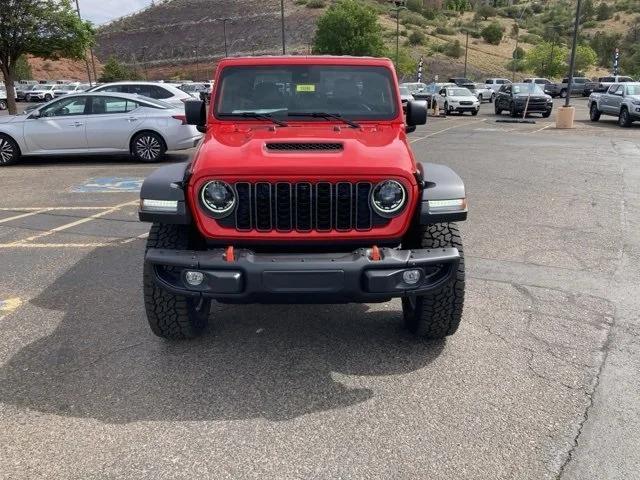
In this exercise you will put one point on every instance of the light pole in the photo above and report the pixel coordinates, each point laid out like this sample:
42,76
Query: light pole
466,51
399,5
86,60
224,29
195,51
282,25
572,61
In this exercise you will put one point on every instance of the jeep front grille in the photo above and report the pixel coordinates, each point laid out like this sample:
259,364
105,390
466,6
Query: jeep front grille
303,207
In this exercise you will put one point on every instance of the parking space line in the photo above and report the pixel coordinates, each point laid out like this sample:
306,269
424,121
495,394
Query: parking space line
445,129
32,209
74,224
23,215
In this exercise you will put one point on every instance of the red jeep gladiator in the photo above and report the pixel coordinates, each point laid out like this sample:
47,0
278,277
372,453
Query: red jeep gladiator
304,189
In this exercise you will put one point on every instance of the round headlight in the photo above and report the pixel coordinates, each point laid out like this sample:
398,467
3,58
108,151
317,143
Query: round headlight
218,198
388,198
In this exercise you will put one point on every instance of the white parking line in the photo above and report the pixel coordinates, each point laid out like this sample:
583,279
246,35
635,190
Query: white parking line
31,209
74,224
23,215
445,129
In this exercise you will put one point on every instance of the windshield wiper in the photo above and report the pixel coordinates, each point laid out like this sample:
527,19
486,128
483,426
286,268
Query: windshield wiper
260,116
334,116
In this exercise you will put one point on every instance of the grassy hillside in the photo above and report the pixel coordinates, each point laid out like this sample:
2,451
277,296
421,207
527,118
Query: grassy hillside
168,37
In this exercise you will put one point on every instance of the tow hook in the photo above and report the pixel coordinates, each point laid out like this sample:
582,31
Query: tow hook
229,254
375,254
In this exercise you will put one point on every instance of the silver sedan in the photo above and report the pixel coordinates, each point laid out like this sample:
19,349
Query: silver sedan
97,123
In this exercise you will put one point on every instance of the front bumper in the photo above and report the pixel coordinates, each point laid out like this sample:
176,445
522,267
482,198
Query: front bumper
464,108
303,278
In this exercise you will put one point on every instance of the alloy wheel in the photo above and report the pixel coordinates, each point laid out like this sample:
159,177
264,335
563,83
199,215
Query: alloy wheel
7,151
148,147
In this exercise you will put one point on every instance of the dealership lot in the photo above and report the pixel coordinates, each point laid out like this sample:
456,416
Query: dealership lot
541,381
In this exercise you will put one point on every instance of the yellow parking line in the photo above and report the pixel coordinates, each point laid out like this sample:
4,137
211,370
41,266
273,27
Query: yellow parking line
74,224
9,305
23,215
445,129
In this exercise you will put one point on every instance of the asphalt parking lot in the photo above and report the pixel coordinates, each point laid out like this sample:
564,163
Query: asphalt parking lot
541,381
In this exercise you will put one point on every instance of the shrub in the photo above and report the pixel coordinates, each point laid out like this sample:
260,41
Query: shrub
537,8
415,5
493,33
485,11
516,65
603,12
315,4
300,2
518,53
453,49
444,30
417,38
590,24
412,18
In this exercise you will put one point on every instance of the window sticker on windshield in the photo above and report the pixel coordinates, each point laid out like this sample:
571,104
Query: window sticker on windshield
305,88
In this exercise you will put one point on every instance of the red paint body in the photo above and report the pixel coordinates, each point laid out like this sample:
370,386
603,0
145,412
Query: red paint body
234,150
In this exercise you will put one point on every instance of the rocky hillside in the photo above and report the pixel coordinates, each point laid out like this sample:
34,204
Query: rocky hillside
186,37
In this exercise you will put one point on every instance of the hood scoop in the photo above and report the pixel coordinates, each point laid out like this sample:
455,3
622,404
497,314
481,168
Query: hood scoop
304,147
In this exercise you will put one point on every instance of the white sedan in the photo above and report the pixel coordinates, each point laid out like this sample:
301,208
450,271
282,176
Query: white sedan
97,123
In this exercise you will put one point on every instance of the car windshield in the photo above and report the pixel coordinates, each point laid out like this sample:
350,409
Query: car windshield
68,87
459,92
633,89
404,91
352,92
526,88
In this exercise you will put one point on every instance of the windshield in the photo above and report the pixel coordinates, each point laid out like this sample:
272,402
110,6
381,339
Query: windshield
404,91
633,89
353,92
526,88
459,92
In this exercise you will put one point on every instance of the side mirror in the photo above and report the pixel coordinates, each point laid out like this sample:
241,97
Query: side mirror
416,115
196,114
443,92
35,114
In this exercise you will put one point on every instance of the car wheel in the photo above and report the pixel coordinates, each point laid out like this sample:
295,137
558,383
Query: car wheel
438,314
493,98
563,93
474,112
9,151
480,98
148,147
27,98
171,316
497,109
624,119
594,113
3,105
47,98
546,114
512,110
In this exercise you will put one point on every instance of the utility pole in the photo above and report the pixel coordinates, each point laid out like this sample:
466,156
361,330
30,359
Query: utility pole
224,29
86,60
144,62
466,51
399,5
284,52
572,61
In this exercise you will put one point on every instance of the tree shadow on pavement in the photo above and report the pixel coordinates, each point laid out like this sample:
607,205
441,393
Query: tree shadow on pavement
274,362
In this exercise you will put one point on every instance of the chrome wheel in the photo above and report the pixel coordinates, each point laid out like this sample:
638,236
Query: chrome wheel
8,151
148,147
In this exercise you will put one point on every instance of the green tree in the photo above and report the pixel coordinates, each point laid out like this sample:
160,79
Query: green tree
603,12
518,53
43,28
415,5
604,44
547,59
586,57
114,71
587,11
493,33
349,28
485,11
22,70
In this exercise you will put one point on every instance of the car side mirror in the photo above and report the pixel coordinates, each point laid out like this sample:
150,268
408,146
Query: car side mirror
443,92
416,115
35,114
196,114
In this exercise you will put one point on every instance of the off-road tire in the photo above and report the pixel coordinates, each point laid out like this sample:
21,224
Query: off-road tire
172,316
563,93
594,113
624,119
496,109
546,114
3,105
9,150
512,110
148,147
437,314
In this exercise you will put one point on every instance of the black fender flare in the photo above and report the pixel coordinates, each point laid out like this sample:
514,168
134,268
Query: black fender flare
440,182
166,183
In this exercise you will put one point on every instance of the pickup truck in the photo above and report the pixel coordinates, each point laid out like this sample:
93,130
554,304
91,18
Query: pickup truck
603,83
578,87
621,100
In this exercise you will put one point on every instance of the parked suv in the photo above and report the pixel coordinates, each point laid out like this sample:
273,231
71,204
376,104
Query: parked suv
304,194
518,97
158,91
602,84
545,84
496,83
40,93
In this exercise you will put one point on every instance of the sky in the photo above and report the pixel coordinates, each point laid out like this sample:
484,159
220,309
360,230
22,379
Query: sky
102,11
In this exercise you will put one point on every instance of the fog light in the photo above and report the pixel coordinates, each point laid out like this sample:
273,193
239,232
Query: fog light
411,277
194,278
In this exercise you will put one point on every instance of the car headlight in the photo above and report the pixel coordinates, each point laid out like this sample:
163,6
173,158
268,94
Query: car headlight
218,198
388,197
635,102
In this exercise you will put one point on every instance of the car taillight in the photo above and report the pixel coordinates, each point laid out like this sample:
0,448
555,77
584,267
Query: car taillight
182,118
